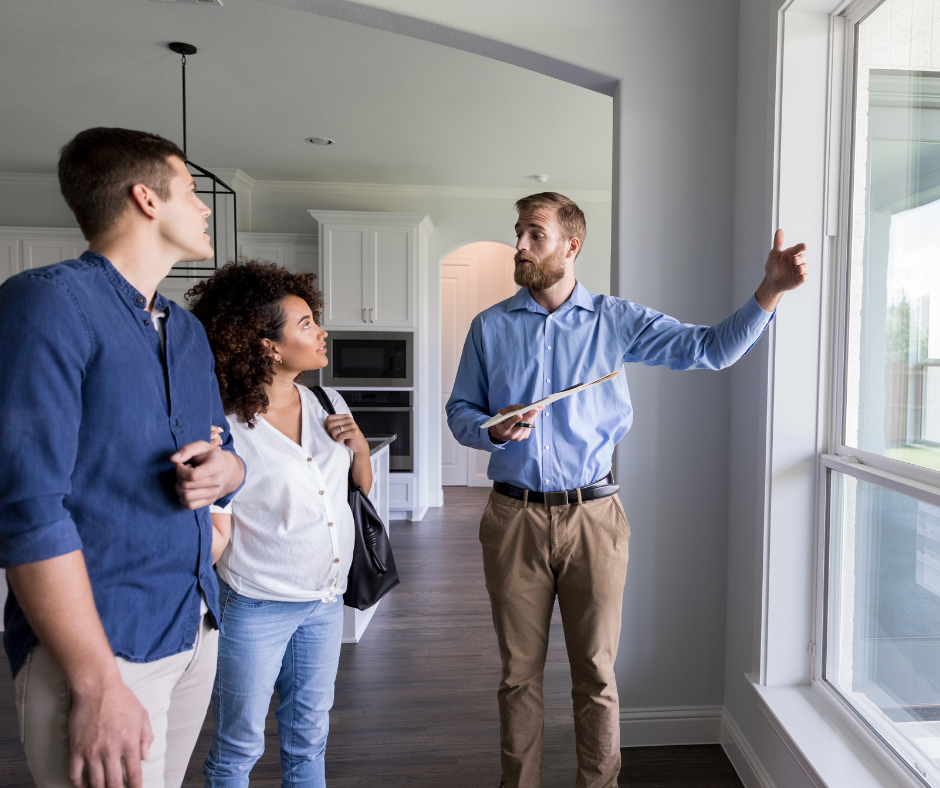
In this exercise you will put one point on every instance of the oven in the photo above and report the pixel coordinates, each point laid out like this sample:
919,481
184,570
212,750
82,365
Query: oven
383,413
374,358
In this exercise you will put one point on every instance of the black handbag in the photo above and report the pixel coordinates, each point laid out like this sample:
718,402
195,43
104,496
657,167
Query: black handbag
372,573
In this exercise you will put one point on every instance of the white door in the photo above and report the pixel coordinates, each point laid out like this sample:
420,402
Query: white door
458,291
392,277
344,265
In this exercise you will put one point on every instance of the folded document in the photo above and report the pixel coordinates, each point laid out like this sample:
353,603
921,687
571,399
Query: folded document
501,417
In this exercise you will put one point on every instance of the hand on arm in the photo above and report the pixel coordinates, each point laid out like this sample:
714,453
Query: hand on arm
107,724
343,429
221,533
785,269
508,431
205,473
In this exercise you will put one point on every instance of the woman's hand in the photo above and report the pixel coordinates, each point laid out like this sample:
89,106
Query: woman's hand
216,439
343,429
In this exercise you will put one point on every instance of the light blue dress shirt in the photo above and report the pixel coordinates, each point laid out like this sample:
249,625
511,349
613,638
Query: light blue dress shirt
516,352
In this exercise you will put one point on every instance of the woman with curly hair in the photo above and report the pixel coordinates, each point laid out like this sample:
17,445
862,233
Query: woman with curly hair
283,572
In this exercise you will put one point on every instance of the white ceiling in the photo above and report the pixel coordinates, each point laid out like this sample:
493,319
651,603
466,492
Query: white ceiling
402,111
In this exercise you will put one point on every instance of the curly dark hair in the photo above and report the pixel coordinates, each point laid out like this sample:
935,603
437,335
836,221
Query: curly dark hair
240,305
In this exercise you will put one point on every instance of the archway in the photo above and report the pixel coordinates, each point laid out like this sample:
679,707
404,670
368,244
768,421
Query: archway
473,278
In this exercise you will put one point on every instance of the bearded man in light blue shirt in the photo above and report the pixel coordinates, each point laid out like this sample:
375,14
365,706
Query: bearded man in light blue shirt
554,524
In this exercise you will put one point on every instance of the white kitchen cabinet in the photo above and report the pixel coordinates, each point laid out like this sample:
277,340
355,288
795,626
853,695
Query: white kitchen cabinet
296,253
22,248
369,265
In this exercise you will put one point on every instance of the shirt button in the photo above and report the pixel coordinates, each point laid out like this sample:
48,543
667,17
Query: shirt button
140,299
549,347
546,445
321,492
146,322
309,459
331,525
177,422
548,481
548,380
335,560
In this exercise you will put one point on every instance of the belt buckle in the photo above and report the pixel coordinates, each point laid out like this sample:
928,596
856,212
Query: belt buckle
559,498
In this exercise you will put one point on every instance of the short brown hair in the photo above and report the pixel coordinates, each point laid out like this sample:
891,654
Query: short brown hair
570,216
98,167
240,306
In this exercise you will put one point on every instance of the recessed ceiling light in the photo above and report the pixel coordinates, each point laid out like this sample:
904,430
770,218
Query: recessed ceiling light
319,140
538,178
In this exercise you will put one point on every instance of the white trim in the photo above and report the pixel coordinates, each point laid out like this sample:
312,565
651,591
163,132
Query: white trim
416,190
872,743
670,725
829,746
243,182
742,756
436,499
28,179
43,233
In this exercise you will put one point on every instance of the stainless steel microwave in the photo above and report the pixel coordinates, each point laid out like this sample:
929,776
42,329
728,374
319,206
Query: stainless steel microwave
369,358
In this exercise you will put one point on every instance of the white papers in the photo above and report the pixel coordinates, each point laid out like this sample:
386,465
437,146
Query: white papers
498,419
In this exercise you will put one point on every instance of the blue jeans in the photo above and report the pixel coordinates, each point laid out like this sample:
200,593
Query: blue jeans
293,646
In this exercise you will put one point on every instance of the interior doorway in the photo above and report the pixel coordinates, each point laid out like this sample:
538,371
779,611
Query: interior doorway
473,278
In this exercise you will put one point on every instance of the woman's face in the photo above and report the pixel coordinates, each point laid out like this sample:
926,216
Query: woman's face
303,346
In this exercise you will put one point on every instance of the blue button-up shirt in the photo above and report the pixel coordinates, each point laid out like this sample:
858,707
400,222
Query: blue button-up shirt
516,352
89,417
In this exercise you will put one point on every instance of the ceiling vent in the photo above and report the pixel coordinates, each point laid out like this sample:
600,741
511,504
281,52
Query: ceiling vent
190,2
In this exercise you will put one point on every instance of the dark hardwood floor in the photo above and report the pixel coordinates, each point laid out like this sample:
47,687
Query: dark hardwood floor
416,699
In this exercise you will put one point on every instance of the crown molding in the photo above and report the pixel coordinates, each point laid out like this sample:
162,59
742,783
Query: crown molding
408,190
241,181
29,179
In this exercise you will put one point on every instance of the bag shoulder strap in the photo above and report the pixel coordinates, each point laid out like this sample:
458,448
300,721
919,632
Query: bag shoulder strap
324,400
328,407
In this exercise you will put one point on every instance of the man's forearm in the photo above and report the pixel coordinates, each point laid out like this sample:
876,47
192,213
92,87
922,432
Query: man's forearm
56,597
768,296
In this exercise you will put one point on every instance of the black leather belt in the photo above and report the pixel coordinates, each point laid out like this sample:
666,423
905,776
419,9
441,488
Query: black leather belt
599,489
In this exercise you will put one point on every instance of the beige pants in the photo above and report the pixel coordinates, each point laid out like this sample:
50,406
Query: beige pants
174,690
532,552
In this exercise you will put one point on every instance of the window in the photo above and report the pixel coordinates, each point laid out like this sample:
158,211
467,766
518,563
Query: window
882,600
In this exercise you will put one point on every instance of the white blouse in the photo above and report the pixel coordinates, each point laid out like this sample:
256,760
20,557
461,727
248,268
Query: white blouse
292,529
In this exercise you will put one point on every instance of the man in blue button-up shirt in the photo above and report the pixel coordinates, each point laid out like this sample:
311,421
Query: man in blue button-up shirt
107,398
554,524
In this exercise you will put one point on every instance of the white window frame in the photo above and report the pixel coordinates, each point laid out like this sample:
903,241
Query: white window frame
920,483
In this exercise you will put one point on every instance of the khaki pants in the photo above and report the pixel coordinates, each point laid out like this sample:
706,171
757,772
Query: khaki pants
532,552
174,690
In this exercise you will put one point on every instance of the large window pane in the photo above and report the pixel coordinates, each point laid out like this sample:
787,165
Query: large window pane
893,343
883,615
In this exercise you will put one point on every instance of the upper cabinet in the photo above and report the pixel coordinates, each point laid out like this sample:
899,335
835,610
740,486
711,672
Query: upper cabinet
368,267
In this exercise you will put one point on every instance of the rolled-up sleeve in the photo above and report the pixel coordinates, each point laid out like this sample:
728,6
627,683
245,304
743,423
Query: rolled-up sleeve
45,346
468,405
228,444
656,339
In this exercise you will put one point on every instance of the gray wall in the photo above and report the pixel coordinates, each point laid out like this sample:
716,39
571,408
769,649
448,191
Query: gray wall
673,238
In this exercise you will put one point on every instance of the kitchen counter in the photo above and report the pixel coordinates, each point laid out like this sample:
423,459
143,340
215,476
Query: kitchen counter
377,444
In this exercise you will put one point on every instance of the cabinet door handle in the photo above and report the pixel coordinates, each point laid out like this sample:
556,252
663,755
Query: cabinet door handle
364,315
371,315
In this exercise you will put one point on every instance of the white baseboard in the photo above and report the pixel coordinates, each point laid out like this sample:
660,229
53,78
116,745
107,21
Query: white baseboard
436,499
670,725
742,755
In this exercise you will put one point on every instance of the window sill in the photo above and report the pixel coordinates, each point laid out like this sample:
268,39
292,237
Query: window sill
829,745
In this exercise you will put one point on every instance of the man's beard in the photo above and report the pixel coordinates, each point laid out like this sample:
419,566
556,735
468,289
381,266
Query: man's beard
540,274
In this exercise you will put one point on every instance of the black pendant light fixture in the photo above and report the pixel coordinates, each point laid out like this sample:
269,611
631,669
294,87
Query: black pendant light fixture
218,187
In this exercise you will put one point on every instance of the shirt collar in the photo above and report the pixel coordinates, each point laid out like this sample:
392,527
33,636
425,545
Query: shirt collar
121,284
581,297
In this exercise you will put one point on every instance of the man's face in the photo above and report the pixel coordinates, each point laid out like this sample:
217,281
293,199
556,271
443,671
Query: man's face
541,250
183,217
